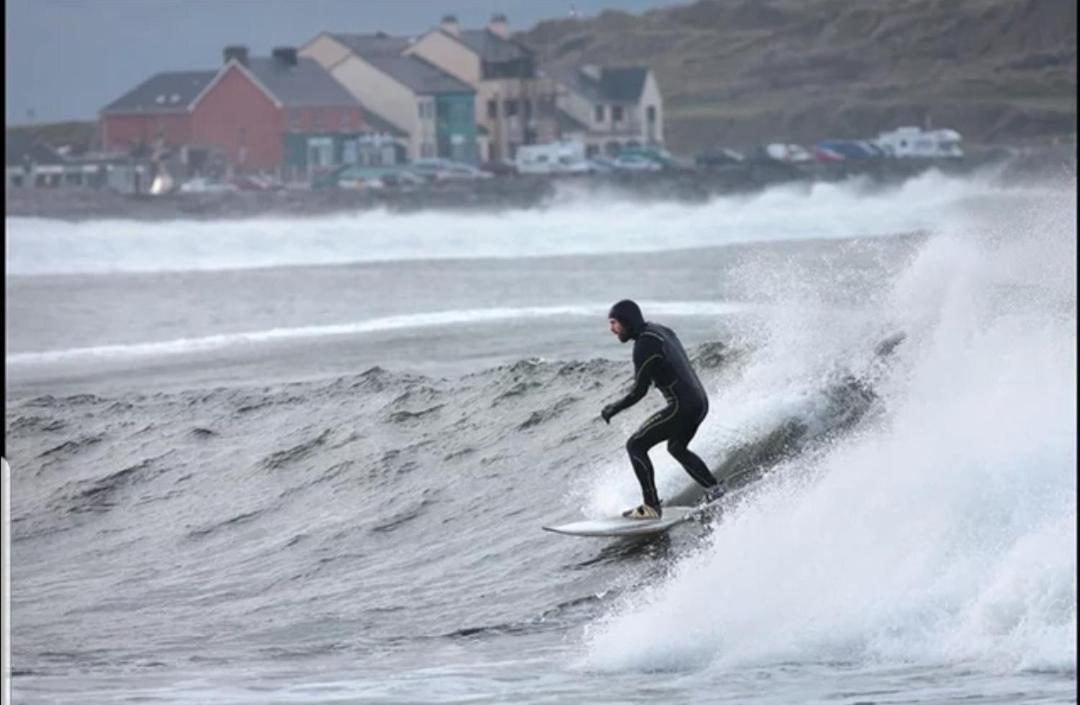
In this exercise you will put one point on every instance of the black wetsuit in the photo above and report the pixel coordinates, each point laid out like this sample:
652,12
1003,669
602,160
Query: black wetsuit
661,360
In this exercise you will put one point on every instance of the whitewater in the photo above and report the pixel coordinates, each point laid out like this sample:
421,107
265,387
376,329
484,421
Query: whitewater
307,461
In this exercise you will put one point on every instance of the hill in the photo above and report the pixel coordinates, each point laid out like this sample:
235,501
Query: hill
78,136
740,72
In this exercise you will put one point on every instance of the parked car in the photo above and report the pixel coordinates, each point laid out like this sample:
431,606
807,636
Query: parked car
852,149
658,155
824,154
718,156
437,169
358,176
201,184
563,157
257,182
782,152
636,162
600,165
500,167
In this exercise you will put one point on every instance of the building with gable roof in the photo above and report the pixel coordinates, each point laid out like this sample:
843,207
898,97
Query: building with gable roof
618,106
281,113
515,102
431,106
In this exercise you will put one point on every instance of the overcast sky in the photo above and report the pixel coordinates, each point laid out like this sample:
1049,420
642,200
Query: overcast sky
67,59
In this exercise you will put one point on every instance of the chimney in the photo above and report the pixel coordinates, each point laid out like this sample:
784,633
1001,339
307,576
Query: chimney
239,53
285,56
499,26
449,25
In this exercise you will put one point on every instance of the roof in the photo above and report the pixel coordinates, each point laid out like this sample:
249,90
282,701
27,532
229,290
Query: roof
615,85
305,84
380,124
569,123
384,53
491,47
19,149
167,92
373,44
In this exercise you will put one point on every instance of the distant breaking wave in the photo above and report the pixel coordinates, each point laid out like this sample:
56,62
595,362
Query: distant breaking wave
387,323
575,224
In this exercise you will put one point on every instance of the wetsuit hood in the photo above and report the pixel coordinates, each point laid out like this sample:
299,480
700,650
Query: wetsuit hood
629,315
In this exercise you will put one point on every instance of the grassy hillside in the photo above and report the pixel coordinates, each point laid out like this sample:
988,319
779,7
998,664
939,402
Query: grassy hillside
79,135
739,72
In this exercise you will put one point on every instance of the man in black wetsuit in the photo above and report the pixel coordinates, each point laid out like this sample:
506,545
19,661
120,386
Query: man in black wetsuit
659,359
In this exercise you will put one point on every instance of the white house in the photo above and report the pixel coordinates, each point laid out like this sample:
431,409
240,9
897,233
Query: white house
610,107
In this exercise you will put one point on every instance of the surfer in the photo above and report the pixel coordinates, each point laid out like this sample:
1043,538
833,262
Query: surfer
659,359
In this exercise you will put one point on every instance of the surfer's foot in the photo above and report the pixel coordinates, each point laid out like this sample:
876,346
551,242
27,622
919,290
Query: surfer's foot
642,511
715,492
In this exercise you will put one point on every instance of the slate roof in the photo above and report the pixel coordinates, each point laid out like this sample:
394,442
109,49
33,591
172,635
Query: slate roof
491,47
19,149
569,123
167,92
384,53
616,84
305,85
380,124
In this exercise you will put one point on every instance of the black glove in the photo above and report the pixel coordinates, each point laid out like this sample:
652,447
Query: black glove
608,411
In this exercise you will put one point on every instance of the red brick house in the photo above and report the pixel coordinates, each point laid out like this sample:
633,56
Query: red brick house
248,113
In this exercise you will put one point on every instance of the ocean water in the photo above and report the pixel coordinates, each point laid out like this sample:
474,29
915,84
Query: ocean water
308,461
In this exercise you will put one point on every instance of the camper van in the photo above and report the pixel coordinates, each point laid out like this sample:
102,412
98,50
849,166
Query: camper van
908,142
565,157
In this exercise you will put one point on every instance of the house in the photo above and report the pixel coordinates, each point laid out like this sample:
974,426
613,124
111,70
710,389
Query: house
159,108
274,114
610,107
433,108
32,163
29,162
515,104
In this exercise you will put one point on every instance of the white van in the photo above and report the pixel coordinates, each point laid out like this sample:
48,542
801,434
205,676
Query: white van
912,142
565,157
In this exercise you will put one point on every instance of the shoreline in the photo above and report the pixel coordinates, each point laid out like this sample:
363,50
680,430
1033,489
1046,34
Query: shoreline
519,192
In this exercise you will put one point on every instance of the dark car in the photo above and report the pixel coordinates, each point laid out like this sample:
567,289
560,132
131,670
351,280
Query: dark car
500,167
718,156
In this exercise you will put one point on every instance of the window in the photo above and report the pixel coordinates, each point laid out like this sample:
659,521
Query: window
616,113
343,121
294,119
493,109
320,151
526,108
650,113
599,113
426,150
316,120
511,107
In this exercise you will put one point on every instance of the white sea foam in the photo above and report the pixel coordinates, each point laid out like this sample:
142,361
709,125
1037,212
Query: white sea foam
375,325
574,224
944,531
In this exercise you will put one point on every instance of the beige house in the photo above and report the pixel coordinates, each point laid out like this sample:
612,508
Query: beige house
407,91
610,107
515,105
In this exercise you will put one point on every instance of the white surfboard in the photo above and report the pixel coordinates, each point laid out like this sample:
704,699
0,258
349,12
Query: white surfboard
620,526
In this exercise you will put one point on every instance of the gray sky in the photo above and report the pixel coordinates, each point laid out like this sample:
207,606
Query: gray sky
67,59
